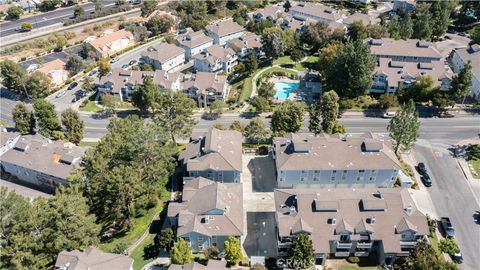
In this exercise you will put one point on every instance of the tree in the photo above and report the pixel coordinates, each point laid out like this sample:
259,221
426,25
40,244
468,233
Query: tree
240,16
98,5
78,10
251,64
260,104
140,32
256,131
288,117
128,170
120,2
287,6
236,125
103,67
110,102
329,111
49,4
74,65
37,85
357,31
26,26
406,27
166,239
317,35
159,24
302,250
73,125
14,12
211,253
274,45
440,11
328,56
148,7
394,27
404,126
350,72
422,26
61,42
146,95
181,253
377,31
462,83
314,124
70,223
13,76
423,89
233,250
296,55
239,69
216,107
22,117
46,117
387,100
87,84
267,90
448,246
193,14
475,35
174,112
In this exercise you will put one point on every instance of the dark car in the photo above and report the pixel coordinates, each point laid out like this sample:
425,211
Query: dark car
457,257
75,99
427,181
133,62
421,168
72,85
125,66
448,227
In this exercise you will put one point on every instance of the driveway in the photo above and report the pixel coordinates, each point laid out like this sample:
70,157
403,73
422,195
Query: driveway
262,169
261,238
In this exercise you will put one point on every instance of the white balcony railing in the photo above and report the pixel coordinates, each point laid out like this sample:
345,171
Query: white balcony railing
362,253
342,254
364,245
344,244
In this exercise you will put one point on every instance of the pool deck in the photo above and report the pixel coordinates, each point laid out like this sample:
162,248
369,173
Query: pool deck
292,95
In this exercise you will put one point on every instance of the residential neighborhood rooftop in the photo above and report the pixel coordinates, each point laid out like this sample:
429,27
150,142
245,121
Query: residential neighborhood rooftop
325,213
105,41
389,47
163,52
472,54
193,39
224,27
92,259
211,265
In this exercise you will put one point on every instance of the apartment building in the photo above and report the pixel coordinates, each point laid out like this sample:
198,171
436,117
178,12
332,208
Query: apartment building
223,31
111,43
404,6
316,13
55,70
303,160
194,42
350,222
214,154
216,58
271,13
122,82
206,87
164,56
38,161
93,259
404,61
464,55
207,214
246,44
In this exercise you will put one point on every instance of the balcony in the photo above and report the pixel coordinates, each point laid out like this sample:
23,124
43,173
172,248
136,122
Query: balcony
342,254
364,244
284,244
362,253
408,244
344,245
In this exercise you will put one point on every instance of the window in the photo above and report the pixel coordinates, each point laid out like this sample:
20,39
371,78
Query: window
332,179
372,178
358,178
361,171
344,171
344,237
187,239
214,244
317,171
334,171
200,239
315,179
281,179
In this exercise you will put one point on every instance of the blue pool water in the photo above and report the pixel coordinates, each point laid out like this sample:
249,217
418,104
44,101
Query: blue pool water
284,89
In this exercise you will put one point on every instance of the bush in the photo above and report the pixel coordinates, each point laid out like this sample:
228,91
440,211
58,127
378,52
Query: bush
473,152
120,248
386,101
353,259
448,246
346,104
365,101
407,169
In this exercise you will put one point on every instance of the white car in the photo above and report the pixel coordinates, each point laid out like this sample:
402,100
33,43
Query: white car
61,94
389,115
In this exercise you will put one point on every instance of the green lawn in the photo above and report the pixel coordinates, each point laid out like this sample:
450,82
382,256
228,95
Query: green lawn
90,106
434,242
474,166
141,255
139,227
283,60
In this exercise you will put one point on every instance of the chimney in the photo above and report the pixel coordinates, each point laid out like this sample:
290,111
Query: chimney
334,221
409,209
292,210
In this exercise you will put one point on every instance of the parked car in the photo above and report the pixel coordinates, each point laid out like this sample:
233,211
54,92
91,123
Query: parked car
427,181
446,115
448,227
93,72
75,99
114,60
61,94
389,115
125,66
133,62
421,168
72,85
457,257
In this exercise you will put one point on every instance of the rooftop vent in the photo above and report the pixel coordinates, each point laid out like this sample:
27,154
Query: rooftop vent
371,220
376,42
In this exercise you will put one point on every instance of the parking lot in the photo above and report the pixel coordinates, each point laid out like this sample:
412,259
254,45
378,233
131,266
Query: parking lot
261,234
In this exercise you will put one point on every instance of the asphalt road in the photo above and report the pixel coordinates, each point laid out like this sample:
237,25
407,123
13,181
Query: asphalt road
47,18
453,196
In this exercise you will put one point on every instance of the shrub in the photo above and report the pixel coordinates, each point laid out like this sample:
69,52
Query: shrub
120,248
346,104
353,259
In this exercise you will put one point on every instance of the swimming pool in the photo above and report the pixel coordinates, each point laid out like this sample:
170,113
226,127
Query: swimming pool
284,89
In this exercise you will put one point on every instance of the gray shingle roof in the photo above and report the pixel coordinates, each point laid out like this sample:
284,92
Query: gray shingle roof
93,259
